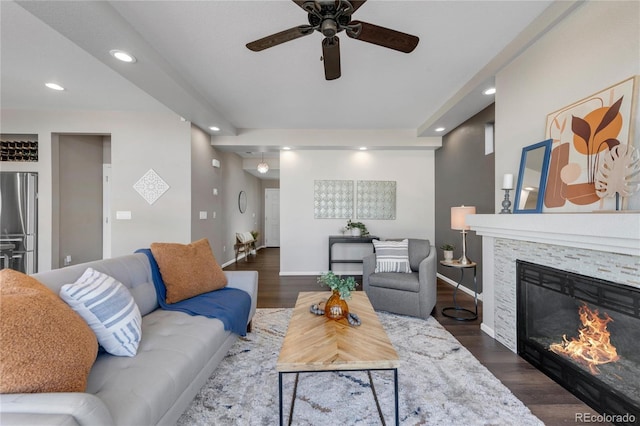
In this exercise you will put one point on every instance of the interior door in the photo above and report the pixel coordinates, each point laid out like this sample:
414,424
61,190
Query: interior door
272,217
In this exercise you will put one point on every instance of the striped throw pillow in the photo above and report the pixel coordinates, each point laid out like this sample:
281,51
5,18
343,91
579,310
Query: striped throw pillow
392,256
109,309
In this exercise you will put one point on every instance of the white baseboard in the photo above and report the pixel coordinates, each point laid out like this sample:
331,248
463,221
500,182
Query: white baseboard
240,257
488,330
455,283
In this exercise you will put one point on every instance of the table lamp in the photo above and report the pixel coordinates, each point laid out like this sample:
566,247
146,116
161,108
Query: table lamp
458,222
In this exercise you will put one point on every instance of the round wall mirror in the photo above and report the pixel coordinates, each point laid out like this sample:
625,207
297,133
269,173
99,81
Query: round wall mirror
242,201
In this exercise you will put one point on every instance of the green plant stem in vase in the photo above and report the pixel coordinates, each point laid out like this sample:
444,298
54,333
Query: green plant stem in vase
447,250
357,225
336,307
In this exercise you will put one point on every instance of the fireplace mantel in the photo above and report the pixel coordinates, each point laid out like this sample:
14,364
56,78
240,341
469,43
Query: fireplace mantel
608,232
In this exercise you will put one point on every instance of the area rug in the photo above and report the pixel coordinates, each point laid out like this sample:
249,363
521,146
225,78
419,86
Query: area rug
440,382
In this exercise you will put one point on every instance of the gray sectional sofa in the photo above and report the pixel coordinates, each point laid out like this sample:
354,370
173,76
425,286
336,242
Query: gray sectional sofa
176,356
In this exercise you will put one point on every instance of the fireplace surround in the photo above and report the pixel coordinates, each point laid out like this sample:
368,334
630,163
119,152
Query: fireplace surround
603,246
583,332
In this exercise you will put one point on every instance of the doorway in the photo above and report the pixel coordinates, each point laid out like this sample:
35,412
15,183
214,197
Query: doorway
79,198
272,217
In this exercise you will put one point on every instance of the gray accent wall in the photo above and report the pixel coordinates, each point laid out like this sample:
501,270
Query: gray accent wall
464,176
204,178
229,179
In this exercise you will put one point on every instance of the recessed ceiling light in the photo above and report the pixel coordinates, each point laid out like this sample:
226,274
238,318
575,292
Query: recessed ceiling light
439,129
490,91
286,148
54,86
363,148
122,56
214,128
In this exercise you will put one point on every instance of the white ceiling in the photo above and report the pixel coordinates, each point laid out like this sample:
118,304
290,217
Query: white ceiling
193,60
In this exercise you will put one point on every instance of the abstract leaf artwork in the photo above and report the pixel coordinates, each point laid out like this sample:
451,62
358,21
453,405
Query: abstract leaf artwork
619,174
584,135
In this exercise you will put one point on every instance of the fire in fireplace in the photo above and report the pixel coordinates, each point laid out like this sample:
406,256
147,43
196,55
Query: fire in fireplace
582,332
593,346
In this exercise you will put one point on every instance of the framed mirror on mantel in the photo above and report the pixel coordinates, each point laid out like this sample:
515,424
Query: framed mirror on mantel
532,178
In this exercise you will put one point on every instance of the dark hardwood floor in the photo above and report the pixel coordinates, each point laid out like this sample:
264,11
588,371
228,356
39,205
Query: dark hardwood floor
546,399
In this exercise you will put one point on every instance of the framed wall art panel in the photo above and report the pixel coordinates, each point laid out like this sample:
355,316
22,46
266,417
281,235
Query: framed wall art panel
333,199
376,199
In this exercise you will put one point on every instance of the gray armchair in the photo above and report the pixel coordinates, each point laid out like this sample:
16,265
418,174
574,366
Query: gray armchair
412,293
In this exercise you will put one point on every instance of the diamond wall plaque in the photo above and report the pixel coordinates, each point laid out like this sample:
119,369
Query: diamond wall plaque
151,186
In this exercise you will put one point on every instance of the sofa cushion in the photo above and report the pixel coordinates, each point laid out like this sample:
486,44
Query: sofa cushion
392,256
188,269
46,346
109,309
175,350
404,282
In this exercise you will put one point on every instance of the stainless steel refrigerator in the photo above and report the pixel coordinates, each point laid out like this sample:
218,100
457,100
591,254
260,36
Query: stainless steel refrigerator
19,221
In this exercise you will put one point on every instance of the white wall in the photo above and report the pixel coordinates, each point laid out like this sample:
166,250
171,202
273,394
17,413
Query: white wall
139,142
304,240
595,47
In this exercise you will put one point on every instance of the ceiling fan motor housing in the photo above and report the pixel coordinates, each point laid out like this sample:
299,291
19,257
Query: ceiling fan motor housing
329,28
329,17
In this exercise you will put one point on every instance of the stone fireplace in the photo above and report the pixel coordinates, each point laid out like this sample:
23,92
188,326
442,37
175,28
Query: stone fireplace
599,246
583,332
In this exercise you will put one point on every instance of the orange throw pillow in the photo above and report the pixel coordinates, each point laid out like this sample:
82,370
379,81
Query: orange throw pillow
188,269
44,345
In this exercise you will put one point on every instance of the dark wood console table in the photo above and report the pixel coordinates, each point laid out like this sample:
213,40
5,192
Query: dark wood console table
347,239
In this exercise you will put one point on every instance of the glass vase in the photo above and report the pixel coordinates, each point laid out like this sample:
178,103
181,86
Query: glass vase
336,308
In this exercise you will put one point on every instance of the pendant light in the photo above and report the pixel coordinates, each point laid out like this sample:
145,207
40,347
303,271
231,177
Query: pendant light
262,166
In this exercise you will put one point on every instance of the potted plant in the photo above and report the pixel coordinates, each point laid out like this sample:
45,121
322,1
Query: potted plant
357,229
336,306
255,235
448,251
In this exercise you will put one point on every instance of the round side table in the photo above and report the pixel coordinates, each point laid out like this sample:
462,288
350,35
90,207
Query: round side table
457,309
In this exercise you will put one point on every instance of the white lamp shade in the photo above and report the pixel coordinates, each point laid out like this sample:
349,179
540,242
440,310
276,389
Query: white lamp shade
458,215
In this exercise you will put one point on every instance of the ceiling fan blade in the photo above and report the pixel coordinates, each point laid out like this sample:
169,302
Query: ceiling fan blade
300,2
331,57
279,38
385,37
357,3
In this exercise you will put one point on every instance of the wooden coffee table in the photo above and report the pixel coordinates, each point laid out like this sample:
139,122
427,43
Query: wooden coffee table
315,343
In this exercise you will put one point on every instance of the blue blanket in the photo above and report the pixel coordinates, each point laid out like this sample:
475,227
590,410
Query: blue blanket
229,305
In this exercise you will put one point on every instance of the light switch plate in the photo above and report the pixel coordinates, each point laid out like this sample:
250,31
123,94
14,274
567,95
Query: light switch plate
123,215
203,215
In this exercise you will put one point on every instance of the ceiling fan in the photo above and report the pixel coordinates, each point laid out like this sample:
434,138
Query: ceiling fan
329,18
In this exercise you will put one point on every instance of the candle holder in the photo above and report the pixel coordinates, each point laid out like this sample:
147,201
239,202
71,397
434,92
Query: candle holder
506,203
